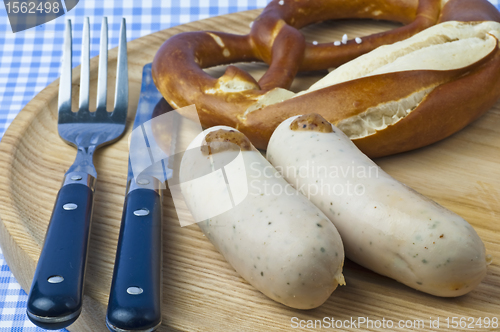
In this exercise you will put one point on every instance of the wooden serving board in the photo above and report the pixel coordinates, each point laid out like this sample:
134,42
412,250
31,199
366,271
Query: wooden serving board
201,292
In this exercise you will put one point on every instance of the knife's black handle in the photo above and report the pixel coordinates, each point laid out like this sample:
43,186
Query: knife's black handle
135,298
55,298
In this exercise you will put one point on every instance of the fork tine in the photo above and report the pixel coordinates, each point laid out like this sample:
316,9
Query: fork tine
64,99
121,93
102,80
85,68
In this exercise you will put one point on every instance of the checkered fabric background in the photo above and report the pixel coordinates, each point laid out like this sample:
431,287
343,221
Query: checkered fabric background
29,61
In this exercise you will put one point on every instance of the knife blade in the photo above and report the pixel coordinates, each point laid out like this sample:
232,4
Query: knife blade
135,296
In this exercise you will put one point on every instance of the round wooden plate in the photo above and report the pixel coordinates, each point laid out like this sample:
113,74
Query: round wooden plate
201,292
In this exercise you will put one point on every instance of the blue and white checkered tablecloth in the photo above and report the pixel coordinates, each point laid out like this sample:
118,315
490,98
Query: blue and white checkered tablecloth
29,61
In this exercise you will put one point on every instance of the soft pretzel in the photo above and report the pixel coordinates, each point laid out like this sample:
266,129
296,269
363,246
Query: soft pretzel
448,100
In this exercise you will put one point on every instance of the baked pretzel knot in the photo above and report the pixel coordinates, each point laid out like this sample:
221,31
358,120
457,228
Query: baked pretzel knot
402,96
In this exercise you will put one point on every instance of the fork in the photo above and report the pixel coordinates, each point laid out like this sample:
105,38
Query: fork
55,298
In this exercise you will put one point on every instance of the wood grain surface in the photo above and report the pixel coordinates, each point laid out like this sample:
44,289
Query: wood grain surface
201,292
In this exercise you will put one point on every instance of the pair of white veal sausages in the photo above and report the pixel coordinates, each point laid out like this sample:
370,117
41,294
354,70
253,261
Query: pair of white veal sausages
287,246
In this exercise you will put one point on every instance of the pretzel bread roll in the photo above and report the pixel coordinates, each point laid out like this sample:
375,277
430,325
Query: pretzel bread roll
386,226
402,96
273,236
396,103
276,40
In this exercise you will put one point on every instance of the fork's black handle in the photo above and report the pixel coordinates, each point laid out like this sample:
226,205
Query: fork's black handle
135,298
56,302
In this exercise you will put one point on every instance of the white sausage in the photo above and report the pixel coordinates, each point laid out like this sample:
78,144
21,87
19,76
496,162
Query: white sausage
386,226
280,243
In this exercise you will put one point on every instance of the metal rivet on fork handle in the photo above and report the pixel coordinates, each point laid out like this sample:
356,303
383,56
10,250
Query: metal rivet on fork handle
70,206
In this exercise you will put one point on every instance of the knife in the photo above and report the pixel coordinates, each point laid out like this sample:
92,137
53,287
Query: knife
135,296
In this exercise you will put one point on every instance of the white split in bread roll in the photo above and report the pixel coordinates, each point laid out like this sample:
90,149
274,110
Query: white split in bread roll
273,236
445,46
386,226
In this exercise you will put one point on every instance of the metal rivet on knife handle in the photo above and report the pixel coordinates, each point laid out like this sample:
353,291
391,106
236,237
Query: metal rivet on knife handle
55,279
134,290
141,212
143,182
